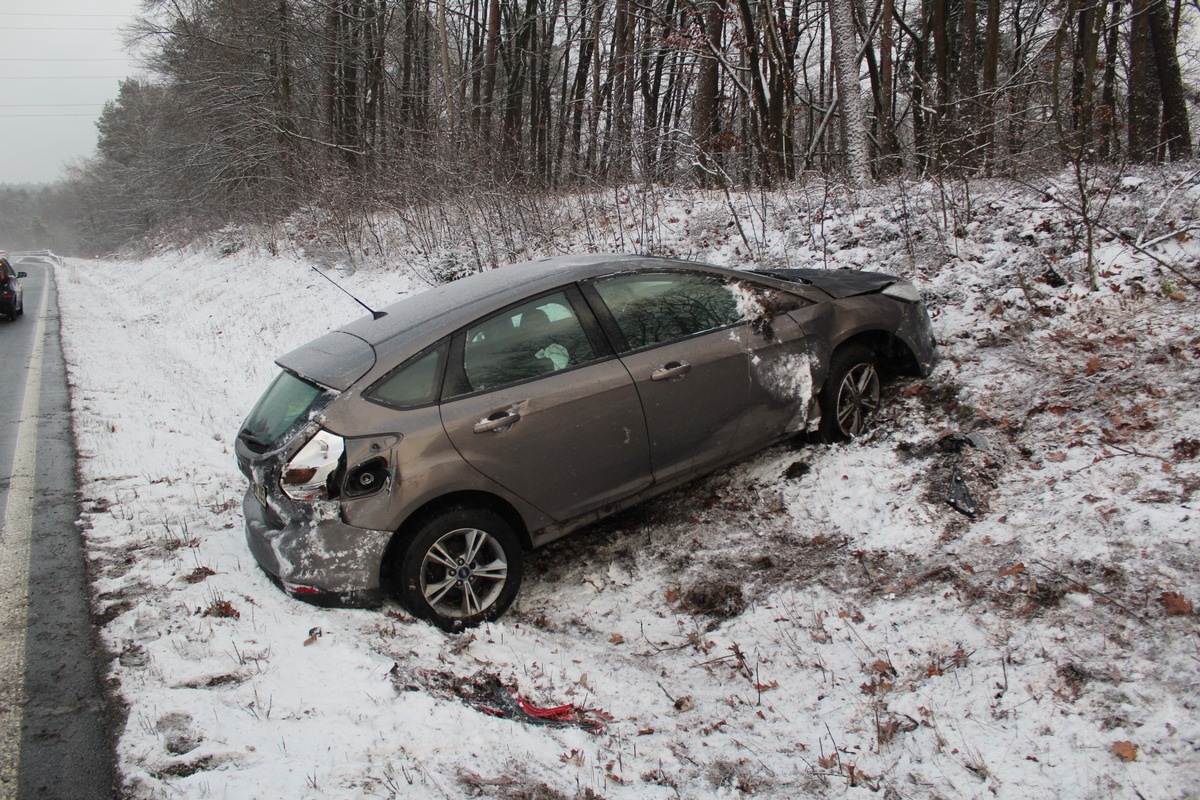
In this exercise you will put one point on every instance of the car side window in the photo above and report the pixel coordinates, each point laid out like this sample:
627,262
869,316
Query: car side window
533,339
415,383
651,308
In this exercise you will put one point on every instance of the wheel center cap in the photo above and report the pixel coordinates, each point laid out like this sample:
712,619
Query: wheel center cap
464,573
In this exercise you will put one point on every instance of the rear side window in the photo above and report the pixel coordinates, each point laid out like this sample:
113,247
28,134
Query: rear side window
652,308
285,401
415,383
537,338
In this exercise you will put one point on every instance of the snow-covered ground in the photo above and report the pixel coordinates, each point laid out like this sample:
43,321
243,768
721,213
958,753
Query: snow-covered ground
817,621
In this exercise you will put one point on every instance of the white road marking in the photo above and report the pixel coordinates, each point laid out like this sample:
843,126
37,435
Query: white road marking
14,564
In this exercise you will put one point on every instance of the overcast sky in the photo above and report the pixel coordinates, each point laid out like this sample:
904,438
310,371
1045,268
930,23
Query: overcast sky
60,60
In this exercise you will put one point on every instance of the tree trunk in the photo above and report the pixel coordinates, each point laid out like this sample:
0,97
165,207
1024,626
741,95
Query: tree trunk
991,62
1176,129
939,26
706,118
763,138
1145,98
1083,76
587,41
968,83
845,51
1109,144
620,140
888,146
490,57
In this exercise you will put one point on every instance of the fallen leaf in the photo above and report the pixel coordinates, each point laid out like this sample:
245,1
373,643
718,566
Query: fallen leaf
616,638
1015,569
1093,365
198,574
1177,605
1056,457
1125,750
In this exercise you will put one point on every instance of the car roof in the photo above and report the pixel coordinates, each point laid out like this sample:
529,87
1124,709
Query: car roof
412,324
452,305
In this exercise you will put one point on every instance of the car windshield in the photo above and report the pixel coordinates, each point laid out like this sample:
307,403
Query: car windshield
287,399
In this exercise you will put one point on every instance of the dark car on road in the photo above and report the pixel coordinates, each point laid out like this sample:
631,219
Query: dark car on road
12,297
417,453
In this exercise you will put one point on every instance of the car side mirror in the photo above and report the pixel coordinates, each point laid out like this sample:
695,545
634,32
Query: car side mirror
22,275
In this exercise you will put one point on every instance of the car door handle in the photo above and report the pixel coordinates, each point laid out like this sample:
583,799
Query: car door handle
671,372
497,422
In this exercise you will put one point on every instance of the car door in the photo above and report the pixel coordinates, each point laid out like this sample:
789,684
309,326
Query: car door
711,365
544,408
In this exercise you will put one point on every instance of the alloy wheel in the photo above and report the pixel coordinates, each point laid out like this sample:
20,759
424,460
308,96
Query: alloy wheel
857,398
463,573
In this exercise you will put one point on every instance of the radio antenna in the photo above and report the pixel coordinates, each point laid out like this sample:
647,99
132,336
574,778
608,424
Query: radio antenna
374,314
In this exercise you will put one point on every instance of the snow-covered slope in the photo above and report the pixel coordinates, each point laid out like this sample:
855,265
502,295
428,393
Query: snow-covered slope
817,621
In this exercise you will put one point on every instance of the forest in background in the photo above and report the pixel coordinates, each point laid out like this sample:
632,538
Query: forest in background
257,109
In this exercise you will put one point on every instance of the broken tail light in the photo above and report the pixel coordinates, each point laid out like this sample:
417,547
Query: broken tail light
306,476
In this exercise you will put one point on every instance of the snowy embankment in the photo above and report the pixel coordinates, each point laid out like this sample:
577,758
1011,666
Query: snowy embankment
816,621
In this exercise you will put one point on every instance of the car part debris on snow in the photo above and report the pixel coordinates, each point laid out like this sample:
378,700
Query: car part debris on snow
959,496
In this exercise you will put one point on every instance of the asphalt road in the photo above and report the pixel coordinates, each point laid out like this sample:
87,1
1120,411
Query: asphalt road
56,725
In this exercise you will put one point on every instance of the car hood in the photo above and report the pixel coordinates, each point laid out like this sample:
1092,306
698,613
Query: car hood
334,361
837,283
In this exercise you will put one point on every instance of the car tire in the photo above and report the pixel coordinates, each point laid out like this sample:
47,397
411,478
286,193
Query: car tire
462,567
850,396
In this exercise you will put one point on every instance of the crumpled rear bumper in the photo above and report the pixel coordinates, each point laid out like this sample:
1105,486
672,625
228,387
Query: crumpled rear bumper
321,561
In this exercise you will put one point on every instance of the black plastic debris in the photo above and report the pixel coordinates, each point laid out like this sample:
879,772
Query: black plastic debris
797,470
959,495
957,442
953,442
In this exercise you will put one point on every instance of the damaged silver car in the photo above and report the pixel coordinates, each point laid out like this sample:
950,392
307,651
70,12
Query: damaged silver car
418,453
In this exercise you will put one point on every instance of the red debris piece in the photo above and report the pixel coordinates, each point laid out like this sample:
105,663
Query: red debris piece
561,713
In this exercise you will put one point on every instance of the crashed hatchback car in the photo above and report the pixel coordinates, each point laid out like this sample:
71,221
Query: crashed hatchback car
418,452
